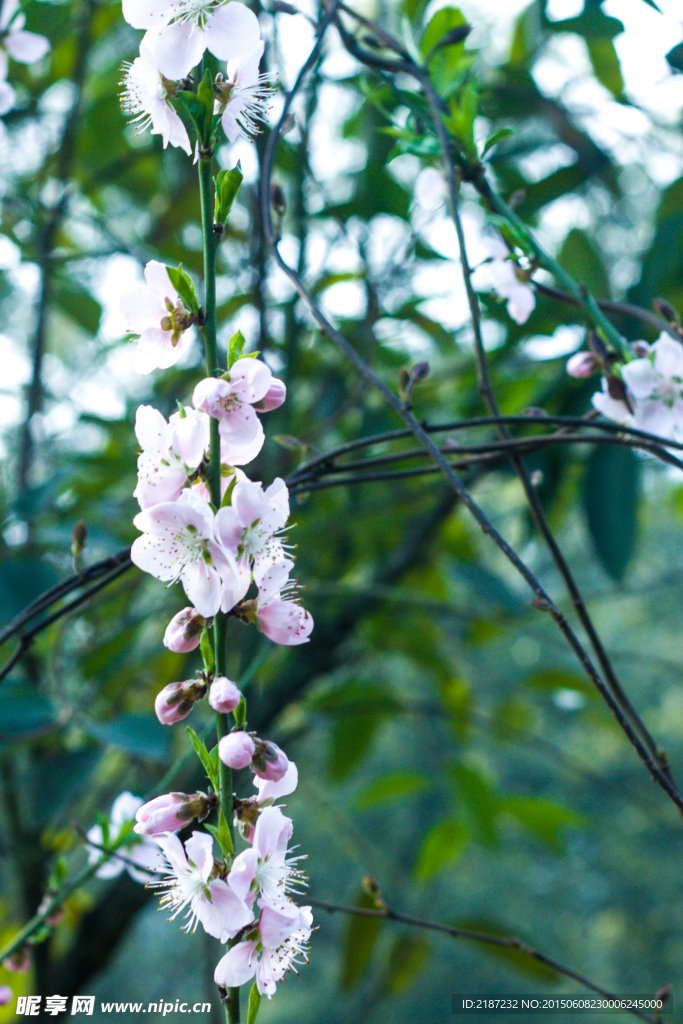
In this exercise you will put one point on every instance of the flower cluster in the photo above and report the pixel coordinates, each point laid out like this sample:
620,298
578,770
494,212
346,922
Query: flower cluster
22,46
648,393
178,32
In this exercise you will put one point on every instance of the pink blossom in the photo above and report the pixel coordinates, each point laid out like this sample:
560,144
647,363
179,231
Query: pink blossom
277,614
231,400
265,868
282,935
582,364
236,749
184,29
224,695
136,856
248,527
155,312
178,544
501,274
146,95
184,631
654,384
6,995
245,95
170,452
170,812
176,700
25,47
190,884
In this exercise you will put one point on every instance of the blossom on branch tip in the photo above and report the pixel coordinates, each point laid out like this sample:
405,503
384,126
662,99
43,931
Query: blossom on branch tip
270,951
191,883
653,387
136,856
171,811
236,749
501,273
184,631
145,98
224,695
243,95
25,47
182,30
155,312
178,544
176,700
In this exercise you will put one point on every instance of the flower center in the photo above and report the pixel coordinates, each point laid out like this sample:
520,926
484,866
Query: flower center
196,11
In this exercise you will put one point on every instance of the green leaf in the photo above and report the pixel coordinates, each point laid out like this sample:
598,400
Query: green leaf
359,942
611,492
184,286
78,304
206,651
227,186
397,786
440,849
235,346
480,800
139,735
675,57
210,767
591,24
351,743
581,259
407,957
444,21
550,679
240,713
606,65
254,1003
508,954
493,140
545,818
224,837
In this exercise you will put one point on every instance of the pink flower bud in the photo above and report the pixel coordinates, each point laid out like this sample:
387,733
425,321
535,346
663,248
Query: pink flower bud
171,811
57,915
6,995
224,695
269,762
582,364
275,396
184,631
236,749
19,961
176,700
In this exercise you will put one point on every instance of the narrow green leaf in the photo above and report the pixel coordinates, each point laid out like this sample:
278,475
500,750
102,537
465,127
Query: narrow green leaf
407,958
240,713
184,286
397,786
224,837
227,186
204,757
611,492
440,848
545,818
675,57
235,346
254,1003
359,942
502,133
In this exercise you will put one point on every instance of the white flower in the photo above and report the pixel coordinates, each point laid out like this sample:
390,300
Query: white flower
282,935
178,544
189,884
431,192
141,853
232,400
655,389
245,95
248,528
184,29
155,312
501,274
25,47
265,867
145,96
170,452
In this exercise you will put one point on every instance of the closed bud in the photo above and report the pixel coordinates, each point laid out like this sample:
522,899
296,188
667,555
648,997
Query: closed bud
277,199
79,536
172,811
236,749
224,695
666,311
57,915
176,700
184,631
269,762
6,995
582,364
19,961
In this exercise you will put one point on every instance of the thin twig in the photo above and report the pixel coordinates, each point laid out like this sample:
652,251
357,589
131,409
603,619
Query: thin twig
504,942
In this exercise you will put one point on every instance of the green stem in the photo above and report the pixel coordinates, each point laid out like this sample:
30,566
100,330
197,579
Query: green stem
232,1007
